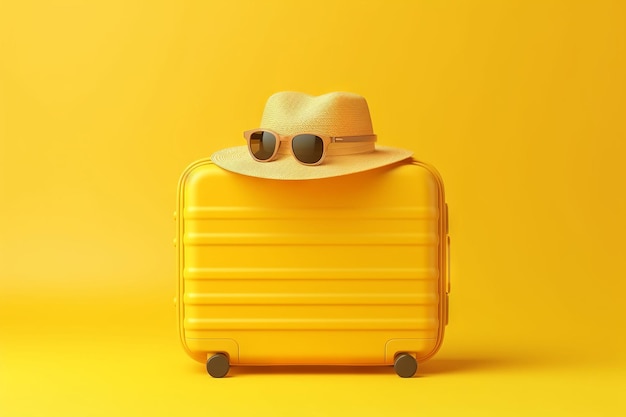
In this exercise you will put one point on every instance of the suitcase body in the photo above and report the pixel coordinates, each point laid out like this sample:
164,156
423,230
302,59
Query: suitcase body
348,270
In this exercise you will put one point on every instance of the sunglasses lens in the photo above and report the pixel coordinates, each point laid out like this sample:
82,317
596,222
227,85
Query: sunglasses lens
262,145
308,148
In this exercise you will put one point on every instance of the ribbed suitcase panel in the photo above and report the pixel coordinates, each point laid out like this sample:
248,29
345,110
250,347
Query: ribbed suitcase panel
340,262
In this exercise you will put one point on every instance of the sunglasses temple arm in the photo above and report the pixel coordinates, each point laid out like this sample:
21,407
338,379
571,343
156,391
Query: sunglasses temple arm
364,138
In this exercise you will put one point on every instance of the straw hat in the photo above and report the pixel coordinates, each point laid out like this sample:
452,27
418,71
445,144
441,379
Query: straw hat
335,114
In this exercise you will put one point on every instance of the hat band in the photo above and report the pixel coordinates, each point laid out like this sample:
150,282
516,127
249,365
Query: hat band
336,149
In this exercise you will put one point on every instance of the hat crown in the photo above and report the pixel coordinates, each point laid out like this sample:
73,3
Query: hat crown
333,114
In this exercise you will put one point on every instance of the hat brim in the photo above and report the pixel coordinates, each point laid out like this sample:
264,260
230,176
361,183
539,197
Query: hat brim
285,167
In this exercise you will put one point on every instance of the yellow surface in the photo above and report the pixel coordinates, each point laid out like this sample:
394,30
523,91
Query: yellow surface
520,105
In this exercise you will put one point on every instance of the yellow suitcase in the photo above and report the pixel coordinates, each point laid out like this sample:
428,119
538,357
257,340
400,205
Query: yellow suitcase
350,270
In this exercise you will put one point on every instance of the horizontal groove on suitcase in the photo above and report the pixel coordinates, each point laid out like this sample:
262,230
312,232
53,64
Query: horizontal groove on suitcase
311,324
389,299
246,213
310,239
285,273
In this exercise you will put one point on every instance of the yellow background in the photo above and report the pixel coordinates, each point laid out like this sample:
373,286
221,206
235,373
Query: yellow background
520,104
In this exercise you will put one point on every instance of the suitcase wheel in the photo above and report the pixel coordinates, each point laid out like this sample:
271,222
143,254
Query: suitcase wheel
217,365
405,365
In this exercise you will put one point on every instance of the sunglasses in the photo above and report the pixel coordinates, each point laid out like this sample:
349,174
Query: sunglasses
307,148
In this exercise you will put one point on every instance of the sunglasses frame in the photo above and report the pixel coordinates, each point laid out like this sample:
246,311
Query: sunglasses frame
326,140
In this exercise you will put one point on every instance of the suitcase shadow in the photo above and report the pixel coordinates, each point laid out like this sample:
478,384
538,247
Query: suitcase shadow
451,366
439,366
430,368
239,371
433,367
